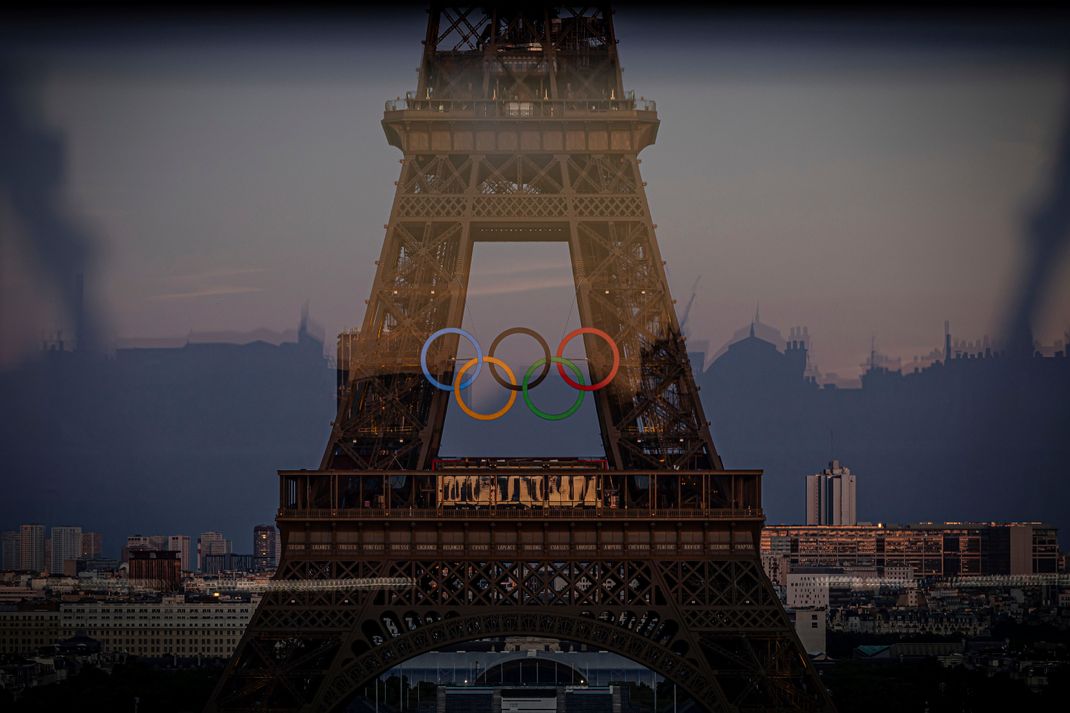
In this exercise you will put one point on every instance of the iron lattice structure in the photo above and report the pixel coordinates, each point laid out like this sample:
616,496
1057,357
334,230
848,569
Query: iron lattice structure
519,130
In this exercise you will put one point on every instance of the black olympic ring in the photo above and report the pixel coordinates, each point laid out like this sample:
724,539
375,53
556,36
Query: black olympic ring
545,350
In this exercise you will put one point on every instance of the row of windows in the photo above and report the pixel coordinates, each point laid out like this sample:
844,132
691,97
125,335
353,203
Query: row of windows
135,617
131,645
209,608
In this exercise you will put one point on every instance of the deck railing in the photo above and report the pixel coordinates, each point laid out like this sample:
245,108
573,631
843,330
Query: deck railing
518,513
517,109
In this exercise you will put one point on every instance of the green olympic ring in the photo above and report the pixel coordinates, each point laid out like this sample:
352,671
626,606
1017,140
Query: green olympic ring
579,394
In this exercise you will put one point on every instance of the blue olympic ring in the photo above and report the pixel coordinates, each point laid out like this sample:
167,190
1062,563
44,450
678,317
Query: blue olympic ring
423,358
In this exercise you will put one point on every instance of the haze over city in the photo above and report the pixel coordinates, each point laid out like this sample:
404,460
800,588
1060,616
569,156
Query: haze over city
867,183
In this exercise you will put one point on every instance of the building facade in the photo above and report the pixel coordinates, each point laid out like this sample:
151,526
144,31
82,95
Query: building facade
10,550
830,496
66,547
32,548
92,544
228,562
811,625
181,545
171,626
25,629
158,569
265,547
210,543
135,543
929,549
808,590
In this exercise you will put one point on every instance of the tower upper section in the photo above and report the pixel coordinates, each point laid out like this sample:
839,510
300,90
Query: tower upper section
528,63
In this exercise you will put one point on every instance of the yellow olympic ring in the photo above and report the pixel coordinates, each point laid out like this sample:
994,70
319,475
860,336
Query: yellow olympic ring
484,416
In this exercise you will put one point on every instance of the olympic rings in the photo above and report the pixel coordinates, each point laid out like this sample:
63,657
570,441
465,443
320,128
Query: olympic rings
460,382
580,395
613,370
545,361
423,358
484,416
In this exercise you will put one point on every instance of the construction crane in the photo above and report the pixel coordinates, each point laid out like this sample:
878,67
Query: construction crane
691,301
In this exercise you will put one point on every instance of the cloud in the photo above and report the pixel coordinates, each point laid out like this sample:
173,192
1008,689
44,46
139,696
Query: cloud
199,289
206,292
526,267
498,278
513,286
220,272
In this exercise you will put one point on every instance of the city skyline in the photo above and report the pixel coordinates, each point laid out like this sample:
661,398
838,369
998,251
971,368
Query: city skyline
81,542
699,342
738,400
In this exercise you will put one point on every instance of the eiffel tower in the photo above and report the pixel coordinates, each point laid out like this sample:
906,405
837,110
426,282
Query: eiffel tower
519,130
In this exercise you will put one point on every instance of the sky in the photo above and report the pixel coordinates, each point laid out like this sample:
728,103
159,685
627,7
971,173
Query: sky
868,180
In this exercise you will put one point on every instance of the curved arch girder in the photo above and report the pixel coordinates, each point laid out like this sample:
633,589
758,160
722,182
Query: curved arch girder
356,672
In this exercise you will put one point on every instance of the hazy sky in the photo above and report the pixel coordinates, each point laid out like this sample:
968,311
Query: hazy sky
861,183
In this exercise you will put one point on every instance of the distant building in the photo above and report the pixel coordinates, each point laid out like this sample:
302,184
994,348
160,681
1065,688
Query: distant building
811,624
135,543
211,543
265,548
181,545
66,546
809,589
100,565
157,569
92,544
950,549
143,543
1031,549
10,550
173,626
530,698
228,562
32,548
830,496
24,630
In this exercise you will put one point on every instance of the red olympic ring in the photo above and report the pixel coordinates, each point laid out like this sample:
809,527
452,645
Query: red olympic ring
612,372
